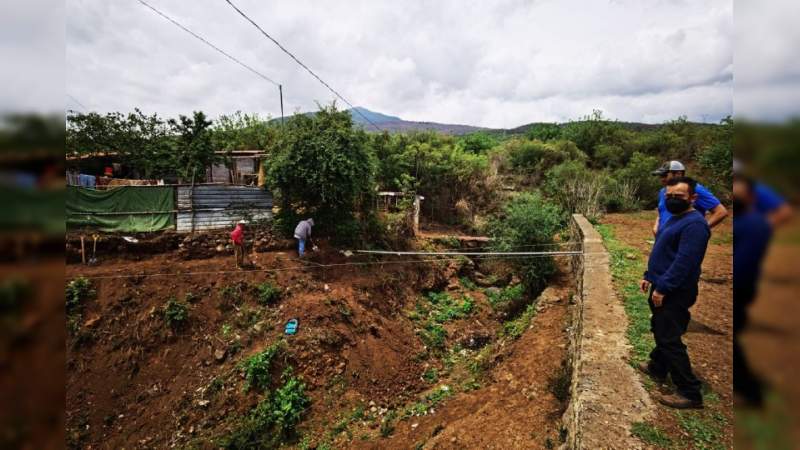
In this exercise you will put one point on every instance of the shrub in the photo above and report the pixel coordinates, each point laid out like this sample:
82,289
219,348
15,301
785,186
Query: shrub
77,292
175,312
576,188
544,131
503,299
257,367
273,420
433,336
528,222
267,293
636,175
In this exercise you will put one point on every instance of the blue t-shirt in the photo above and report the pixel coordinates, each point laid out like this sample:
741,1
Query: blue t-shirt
751,235
766,199
705,201
677,256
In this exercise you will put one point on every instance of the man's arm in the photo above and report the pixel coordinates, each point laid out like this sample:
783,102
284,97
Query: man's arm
691,250
779,215
716,215
655,225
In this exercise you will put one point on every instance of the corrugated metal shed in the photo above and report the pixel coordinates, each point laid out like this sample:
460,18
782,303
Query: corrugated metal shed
208,207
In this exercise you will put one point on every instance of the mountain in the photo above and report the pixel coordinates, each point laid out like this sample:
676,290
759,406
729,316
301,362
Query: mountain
394,124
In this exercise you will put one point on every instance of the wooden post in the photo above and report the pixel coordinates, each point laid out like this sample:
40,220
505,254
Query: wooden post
417,206
262,174
83,250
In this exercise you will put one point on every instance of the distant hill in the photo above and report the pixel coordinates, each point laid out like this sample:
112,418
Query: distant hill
394,124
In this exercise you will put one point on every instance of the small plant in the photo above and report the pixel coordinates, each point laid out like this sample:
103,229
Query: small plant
77,292
226,330
650,434
229,296
273,420
433,336
257,367
514,328
176,313
503,300
387,424
431,375
268,294
466,283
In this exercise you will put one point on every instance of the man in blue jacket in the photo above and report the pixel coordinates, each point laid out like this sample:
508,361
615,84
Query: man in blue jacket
672,276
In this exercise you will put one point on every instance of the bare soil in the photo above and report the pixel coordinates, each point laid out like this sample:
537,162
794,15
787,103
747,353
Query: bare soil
133,382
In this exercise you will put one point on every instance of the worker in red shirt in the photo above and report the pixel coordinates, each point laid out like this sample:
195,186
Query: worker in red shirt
237,238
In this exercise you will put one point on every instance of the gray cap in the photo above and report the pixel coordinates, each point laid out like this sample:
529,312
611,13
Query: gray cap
669,166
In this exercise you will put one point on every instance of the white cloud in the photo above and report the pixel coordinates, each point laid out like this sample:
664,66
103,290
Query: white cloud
498,64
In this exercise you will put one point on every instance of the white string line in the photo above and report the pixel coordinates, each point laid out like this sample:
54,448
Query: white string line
389,252
316,265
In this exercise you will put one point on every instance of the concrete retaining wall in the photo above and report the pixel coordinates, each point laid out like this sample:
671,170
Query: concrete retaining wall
606,394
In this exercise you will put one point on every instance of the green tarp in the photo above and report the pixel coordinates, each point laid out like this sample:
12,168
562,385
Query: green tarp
121,209
31,209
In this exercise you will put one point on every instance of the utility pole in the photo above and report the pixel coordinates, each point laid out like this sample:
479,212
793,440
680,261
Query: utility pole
280,91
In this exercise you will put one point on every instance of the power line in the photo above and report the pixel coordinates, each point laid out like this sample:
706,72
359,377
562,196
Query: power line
352,108
229,56
77,102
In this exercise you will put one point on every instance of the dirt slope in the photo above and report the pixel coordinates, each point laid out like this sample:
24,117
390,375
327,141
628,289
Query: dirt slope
132,382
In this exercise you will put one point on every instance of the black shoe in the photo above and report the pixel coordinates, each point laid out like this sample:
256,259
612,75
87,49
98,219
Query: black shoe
645,369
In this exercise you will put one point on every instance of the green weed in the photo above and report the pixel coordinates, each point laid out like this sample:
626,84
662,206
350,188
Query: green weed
514,328
257,367
175,313
268,294
77,292
466,283
273,420
650,434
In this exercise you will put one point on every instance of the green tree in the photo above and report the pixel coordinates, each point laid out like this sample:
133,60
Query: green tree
528,222
592,131
321,166
240,131
194,151
544,131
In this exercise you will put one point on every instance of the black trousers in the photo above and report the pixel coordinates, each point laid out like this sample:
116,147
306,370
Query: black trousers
745,382
668,324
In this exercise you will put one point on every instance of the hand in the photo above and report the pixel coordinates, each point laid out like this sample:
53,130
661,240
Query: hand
658,299
644,285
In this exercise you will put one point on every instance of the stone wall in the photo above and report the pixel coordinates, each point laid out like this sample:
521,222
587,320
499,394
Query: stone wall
606,396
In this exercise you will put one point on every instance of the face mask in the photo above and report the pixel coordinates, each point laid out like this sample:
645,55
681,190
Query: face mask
677,205
739,206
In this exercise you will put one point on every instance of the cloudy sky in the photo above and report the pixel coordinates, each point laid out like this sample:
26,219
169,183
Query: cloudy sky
499,63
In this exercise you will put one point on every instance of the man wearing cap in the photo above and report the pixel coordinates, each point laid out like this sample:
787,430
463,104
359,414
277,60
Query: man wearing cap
705,202
237,239
303,233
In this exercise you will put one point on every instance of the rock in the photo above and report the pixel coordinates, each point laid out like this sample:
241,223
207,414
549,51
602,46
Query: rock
203,403
414,425
327,288
91,322
220,248
219,355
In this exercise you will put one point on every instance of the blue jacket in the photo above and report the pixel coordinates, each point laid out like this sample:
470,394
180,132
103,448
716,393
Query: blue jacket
678,252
